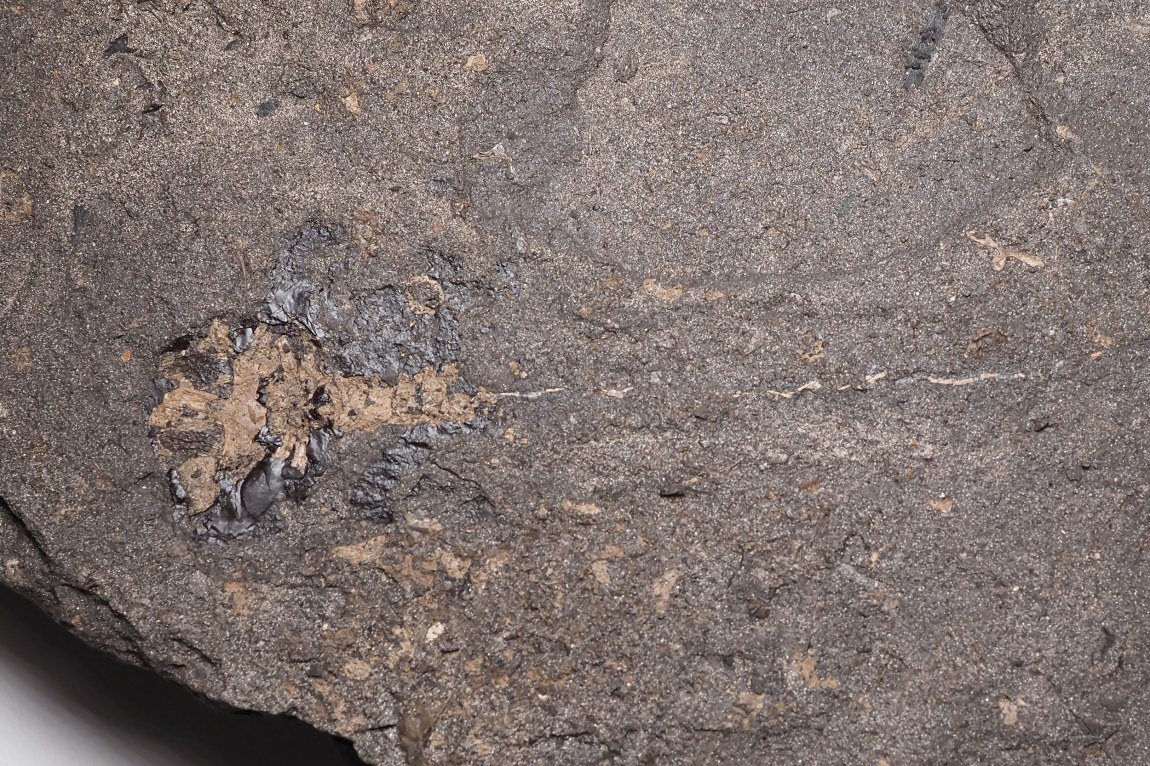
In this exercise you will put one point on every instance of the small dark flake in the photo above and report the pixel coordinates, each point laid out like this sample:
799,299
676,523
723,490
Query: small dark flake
119,45
919,53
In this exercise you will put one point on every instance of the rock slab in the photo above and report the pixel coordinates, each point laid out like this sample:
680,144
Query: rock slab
591,382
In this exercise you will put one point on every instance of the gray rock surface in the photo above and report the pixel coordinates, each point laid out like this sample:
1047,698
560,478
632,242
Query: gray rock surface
608,382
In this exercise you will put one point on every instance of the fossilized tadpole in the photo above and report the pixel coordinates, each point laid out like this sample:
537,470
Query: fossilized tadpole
223,408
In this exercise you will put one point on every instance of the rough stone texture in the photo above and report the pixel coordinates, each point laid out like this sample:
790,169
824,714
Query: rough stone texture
815,337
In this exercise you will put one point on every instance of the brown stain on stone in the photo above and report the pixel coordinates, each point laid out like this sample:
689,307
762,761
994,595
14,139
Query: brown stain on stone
210,424
15,202
662,588
806,667
665,294
241,599
363,404
369,551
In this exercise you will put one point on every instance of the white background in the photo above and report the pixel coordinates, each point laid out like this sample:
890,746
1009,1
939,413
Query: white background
63,704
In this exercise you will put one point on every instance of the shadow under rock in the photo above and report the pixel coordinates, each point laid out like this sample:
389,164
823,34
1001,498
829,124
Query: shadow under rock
133,705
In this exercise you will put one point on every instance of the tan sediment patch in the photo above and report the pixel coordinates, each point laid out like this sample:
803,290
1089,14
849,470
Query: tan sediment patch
357,670
352,103
241,599
198,476
940,504
666,294
366,552
362,404
1009,710
221,418
15,202
601,570
662,589
806,667
477,62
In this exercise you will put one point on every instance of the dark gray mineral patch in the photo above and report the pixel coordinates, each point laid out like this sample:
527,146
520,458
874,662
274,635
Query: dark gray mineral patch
921,51
607,382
